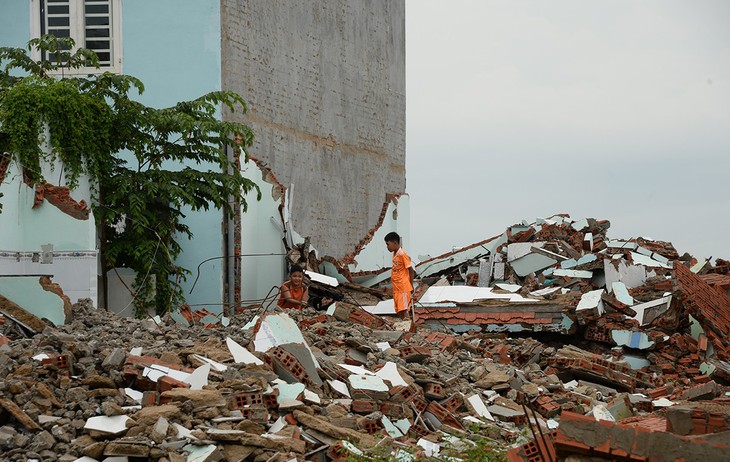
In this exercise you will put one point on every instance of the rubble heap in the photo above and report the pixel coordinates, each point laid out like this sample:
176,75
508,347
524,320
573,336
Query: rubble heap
550,341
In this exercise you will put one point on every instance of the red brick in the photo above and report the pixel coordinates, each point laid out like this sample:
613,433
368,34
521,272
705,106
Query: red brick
289,362
149,398
584,435
61,362
419,404
710,307
271,400
546,406
166,383
403,394
656,393
414,353
418,431
241,400
369,425
453,402
445,342
393,410
443,415
364,406
433,391
539,450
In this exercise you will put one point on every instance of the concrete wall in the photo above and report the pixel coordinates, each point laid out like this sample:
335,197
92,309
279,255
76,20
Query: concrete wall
173,46
29,294
325,84
14,23
24,229
262,248
375,255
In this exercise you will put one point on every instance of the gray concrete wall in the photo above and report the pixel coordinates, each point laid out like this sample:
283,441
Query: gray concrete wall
325,84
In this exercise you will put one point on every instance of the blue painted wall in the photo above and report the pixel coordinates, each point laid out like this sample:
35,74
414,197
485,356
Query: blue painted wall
14,23
174,47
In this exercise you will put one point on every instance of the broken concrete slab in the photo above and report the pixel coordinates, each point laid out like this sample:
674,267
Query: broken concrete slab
240,354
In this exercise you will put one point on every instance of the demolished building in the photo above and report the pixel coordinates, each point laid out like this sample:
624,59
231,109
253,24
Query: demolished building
617,350
329,134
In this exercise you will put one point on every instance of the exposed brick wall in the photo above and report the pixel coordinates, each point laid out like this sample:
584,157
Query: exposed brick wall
60,196
710,307
4,164
52,287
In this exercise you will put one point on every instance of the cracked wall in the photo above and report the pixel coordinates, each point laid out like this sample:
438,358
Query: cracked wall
34,216
325,85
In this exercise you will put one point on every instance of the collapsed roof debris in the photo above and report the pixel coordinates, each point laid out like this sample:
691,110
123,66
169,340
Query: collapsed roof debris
547,342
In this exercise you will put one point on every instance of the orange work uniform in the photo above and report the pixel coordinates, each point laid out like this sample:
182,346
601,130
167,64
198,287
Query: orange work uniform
296,294
401,279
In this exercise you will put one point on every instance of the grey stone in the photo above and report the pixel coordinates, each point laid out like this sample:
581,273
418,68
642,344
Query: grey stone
476,373
51,455
114,359
41,441
7,434
20,440
63,433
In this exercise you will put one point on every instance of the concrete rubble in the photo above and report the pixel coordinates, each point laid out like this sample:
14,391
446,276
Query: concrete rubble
549,342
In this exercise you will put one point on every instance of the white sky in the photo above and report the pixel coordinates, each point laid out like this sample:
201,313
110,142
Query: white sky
615,110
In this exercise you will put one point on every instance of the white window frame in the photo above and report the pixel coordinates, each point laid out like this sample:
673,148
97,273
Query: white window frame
77,32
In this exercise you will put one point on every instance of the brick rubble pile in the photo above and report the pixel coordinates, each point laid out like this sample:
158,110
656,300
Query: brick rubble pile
558,343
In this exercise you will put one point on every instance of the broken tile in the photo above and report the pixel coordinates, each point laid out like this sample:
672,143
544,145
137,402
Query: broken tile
113,425
389,372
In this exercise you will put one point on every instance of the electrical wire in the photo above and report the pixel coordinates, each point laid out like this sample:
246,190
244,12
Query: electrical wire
159,242
197,276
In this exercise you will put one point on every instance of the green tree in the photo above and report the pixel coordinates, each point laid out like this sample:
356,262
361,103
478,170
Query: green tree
139,159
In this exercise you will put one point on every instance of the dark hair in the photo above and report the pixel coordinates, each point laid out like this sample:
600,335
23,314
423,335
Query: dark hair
296,269
392,237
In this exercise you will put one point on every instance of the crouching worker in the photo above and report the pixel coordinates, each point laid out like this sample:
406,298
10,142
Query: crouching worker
402,275
294,294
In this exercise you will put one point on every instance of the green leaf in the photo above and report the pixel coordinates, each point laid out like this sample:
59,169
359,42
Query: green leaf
139,159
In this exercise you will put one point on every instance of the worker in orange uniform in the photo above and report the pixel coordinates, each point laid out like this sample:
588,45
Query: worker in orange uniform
402,275
294,293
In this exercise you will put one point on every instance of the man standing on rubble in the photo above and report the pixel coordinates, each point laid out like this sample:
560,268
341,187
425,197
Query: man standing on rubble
402,275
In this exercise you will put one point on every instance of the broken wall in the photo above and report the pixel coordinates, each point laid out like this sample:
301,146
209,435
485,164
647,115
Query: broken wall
325,86
36,295
369,263
47,230
262,234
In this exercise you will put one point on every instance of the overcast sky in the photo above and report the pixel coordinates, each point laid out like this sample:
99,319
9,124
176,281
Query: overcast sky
615,110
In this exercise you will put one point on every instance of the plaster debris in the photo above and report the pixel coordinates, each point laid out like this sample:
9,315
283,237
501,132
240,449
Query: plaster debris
535,363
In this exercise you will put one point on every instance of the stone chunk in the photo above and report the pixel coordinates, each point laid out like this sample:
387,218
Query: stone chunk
6,436
127,448
208,398
151,414
493,378
98,381
115,359
18,414
42,441
327,428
